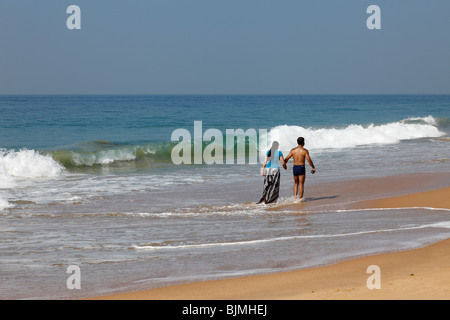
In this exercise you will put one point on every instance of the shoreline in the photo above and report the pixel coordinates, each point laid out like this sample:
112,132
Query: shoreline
421,273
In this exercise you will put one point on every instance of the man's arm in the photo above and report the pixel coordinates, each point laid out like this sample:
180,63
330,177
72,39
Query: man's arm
288,157
283,162
310,161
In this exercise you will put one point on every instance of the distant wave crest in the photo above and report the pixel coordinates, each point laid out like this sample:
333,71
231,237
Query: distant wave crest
111,154
35,164
357,135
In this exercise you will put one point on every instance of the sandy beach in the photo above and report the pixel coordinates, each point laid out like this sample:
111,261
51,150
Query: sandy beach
436,198
422,273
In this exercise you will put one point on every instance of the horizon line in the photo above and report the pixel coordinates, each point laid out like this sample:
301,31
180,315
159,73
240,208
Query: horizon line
224,94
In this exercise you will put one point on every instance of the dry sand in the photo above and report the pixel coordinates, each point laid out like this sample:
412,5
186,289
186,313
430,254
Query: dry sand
436,199
422,273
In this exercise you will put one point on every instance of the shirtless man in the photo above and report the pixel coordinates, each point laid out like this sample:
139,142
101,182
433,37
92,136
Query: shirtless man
300,154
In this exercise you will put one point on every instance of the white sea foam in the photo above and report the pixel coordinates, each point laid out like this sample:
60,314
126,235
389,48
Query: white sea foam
444,224
429,120
389,209
6,181
4,204
26,164
356,135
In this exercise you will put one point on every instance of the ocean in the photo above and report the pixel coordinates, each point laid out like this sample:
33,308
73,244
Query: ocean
90,181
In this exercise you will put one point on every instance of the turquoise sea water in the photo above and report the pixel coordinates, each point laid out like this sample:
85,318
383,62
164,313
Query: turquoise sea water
89,180
52,122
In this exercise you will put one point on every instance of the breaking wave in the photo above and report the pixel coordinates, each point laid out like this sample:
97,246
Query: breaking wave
357,135
35,164
111,154
26,164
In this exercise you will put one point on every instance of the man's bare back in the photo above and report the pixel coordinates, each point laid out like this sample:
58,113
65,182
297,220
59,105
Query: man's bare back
300,154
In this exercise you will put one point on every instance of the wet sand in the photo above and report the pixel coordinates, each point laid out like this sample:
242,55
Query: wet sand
422,273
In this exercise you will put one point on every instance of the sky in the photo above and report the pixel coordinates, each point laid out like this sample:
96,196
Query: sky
225,47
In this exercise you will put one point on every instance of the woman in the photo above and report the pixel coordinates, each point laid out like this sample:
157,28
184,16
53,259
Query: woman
271,173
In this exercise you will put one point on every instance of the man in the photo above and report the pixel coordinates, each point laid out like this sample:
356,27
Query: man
300,154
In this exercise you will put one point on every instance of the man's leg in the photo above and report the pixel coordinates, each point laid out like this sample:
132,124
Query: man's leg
301,179
296,182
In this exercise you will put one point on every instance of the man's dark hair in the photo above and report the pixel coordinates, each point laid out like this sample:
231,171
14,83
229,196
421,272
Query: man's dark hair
301,141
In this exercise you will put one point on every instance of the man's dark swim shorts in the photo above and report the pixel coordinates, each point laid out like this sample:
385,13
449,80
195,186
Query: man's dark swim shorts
299,170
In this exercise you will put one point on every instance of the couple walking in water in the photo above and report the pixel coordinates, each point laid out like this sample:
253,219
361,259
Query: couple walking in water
271,171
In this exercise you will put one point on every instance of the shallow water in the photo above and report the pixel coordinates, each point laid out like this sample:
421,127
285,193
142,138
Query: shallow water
97,189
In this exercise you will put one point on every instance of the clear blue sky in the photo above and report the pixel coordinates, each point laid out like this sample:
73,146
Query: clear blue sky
224,47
